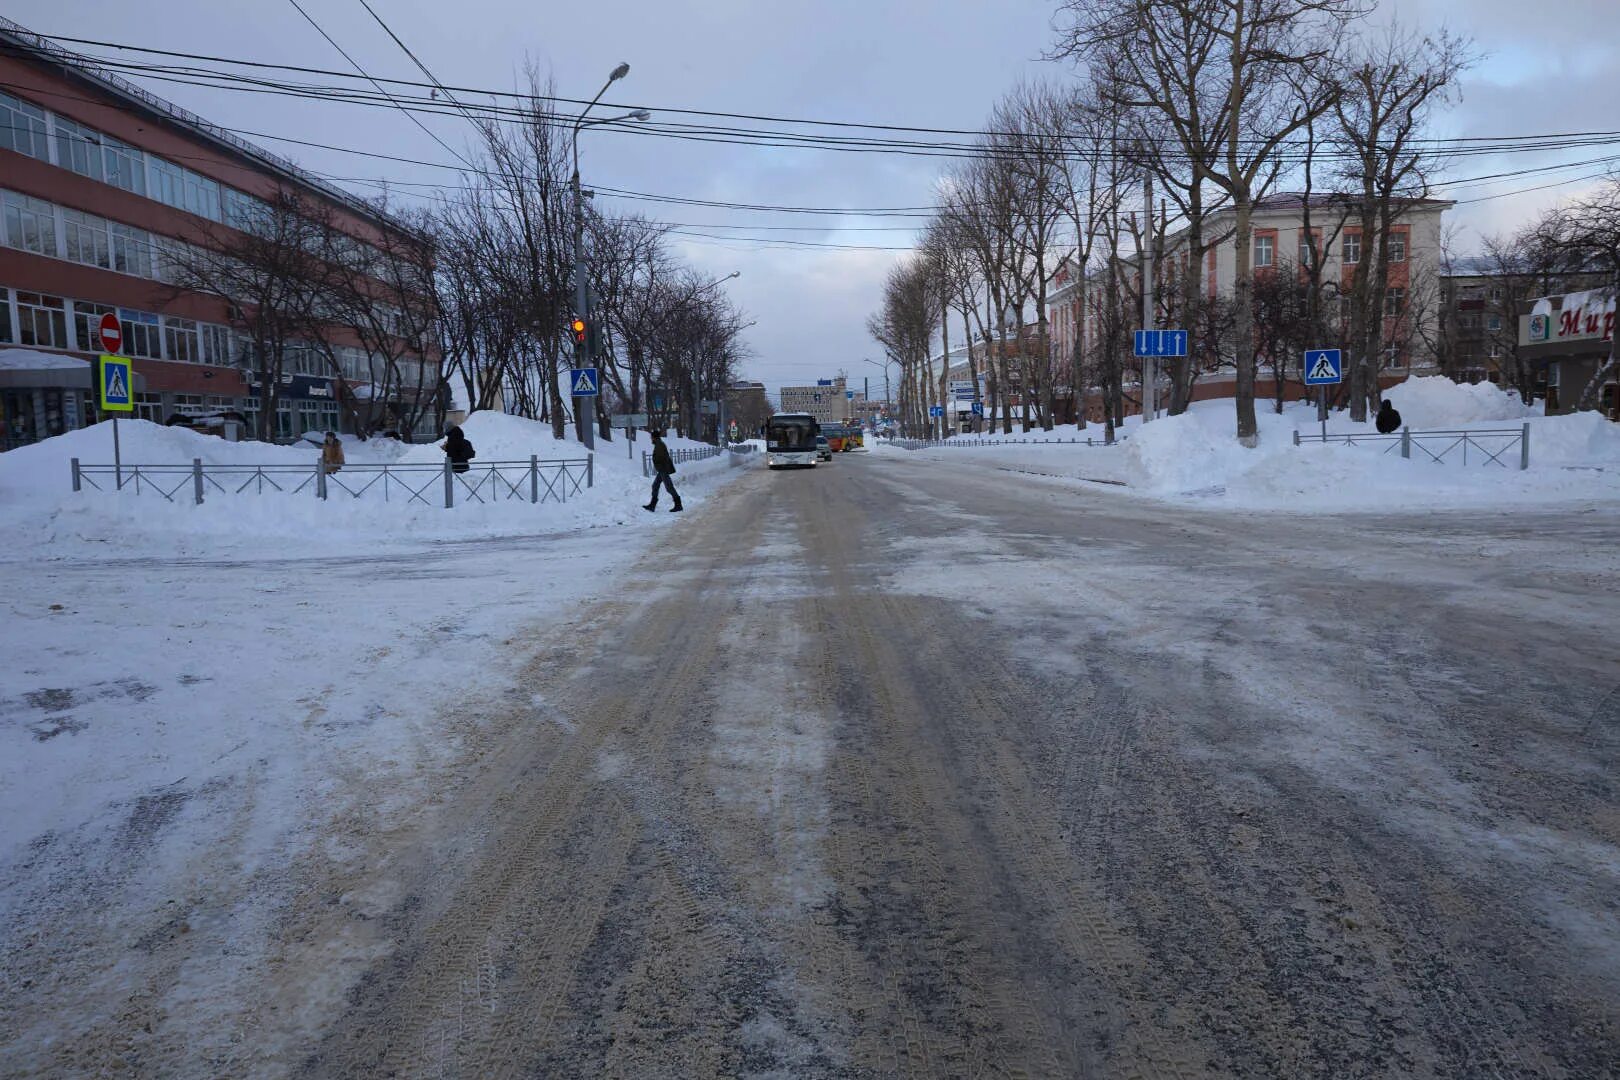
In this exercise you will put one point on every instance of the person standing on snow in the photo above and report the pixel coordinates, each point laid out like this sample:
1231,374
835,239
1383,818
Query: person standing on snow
1388,419
331,454
663,469
457,449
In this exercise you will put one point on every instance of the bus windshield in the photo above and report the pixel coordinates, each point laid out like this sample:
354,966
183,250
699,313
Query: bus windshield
787,434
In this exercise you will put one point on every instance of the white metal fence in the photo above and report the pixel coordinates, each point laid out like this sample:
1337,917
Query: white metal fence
1489,447
533,481
700,454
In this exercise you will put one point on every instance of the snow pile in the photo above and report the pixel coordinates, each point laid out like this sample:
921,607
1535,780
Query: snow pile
44,510
1434,401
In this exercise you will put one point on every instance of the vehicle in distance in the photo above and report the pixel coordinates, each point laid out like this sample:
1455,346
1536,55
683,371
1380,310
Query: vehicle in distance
790,440
823,448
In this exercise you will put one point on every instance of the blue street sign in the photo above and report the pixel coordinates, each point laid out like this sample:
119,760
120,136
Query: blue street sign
978,408
936,410
115,385
849,395
1323,367
1161,343
582,382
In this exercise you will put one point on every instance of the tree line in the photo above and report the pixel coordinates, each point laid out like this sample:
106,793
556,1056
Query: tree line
1180,117
482,278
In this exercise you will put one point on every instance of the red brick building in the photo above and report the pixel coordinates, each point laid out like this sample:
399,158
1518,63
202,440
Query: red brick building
99,180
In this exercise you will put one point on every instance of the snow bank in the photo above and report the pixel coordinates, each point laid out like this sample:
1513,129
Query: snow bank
35,485
1195,458
1434,401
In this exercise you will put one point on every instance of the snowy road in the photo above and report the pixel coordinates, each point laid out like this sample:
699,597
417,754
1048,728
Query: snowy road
904,767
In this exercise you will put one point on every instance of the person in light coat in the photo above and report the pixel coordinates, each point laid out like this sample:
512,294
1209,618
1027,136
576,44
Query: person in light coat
331,453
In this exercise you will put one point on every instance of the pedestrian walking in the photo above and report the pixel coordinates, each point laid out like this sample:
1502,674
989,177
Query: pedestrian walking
457,449
331,454
663,469
1388,419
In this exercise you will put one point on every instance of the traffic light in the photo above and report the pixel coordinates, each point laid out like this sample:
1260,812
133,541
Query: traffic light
580,329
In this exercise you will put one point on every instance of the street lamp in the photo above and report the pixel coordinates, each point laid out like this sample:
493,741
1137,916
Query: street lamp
888,402
587,432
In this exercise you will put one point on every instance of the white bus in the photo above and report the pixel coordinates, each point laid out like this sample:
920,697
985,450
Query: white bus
790,439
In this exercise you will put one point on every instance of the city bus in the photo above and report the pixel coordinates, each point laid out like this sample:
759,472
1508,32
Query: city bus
790,439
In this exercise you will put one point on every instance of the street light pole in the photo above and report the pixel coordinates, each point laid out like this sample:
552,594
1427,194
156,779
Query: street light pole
586,432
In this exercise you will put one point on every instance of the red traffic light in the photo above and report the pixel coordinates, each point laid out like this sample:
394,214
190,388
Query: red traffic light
579,328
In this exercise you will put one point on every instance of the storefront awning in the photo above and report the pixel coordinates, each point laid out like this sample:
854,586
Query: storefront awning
35,369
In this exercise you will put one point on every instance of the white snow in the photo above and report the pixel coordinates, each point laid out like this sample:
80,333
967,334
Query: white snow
1196,460
34,360
195,699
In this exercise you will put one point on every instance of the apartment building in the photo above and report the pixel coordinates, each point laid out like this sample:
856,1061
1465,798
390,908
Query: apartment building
101,182
1280,244
828,400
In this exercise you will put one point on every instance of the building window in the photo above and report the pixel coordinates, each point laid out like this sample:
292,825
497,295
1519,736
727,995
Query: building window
180,338
22,128
78,149
1494,322
1305,250
1265,251
142,334
1351,247
30,224
1394,301
243,211
216,344
1397,247
86,237
5,315
149,407
87,324
42,320
125,165
189,404
1393,358
131,250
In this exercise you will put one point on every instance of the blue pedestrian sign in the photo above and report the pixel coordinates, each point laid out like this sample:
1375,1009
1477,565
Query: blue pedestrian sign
582,382
978,408
114,384
1161,343
1323,367
936,410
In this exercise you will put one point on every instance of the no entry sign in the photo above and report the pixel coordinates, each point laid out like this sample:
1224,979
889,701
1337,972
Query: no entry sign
112,335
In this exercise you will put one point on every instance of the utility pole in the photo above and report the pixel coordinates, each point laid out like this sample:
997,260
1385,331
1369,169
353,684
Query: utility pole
1150,364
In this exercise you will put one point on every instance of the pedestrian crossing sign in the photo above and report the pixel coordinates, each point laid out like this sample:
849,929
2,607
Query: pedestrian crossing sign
1323,367
113,381
582,382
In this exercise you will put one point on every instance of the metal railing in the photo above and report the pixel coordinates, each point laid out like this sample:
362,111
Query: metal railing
534,481
1490,447
678,456
964,441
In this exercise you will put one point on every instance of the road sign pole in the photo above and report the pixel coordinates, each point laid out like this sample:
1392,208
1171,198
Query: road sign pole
118,460
1321,411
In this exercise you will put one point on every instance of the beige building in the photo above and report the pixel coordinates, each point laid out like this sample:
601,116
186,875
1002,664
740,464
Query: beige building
828,401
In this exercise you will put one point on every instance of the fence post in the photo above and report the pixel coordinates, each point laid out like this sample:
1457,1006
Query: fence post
534,478
590,470
1524,448
75,474
1296,436
320,479
1406,441
449,486
197,479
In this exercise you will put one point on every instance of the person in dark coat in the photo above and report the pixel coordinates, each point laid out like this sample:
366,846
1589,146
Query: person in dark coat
663,469
457,449
1388,419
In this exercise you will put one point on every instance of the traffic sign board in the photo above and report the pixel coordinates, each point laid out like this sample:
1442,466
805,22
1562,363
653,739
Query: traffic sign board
112,333
582,382
849,395
114,385
628,420
978,408
936,410
1323,367
1161,343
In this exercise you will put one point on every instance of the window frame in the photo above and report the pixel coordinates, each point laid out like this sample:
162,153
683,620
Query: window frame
55,314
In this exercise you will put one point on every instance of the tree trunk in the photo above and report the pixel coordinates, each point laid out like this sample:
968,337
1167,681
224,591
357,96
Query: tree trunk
1248,427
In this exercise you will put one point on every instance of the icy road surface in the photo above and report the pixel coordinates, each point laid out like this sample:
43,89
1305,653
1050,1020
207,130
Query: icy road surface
909,767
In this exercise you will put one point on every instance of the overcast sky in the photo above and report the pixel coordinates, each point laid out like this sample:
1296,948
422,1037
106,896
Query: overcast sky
1550,66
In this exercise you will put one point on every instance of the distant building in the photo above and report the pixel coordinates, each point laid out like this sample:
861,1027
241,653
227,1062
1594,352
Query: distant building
747,406
1481,302
827,401
101,183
